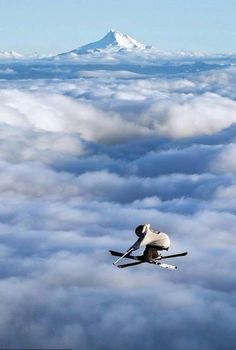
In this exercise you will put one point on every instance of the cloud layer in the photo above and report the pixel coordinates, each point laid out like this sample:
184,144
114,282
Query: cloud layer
83,161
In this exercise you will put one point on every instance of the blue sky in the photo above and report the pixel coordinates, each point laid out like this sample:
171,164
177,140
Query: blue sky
60,25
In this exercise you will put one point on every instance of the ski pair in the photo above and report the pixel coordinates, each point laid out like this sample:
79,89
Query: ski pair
141,261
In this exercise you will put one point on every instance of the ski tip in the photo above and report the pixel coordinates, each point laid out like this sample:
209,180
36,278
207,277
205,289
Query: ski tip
121,266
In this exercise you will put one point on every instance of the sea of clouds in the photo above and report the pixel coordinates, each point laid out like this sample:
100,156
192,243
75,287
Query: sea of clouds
85,157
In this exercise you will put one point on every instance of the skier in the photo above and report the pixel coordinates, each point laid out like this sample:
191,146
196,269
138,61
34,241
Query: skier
153,240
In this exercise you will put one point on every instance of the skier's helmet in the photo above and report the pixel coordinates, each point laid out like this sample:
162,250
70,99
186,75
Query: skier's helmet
139,230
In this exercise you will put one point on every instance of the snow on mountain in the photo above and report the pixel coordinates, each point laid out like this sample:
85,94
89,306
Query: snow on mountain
113,41
10,55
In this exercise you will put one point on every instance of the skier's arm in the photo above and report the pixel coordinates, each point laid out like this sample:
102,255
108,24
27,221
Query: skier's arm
136,245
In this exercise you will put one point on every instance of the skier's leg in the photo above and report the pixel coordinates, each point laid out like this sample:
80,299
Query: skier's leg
147,254
150,253
154,253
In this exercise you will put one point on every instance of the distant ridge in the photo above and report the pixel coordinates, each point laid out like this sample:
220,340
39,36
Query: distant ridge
10,55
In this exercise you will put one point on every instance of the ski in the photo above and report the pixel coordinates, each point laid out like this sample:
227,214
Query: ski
165,266
174,255
131,264
114,253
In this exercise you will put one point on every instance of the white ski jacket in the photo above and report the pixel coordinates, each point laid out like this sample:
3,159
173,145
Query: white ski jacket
153,238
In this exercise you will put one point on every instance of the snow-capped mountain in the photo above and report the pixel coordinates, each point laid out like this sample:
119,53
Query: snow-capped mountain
113,41
116,48
10,55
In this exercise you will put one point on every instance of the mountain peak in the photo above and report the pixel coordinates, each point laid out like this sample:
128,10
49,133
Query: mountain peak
122,40
112,40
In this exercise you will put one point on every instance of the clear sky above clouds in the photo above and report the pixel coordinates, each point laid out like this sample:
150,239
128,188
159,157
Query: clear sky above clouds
60,25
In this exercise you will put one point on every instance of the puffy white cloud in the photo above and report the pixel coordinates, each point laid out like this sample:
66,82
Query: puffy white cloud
192,115
18,144
61,114
83,161
224,160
